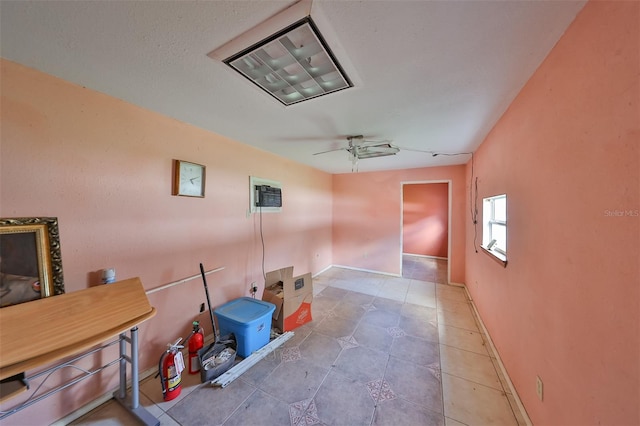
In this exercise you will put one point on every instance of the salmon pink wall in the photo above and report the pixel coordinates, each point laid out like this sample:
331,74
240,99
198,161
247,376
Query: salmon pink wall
566,153
103,167
425,219
367,217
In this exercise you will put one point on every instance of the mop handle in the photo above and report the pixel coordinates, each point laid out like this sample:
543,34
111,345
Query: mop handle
206,290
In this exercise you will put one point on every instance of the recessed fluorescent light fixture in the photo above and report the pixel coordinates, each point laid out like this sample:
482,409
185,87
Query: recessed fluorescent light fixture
292,65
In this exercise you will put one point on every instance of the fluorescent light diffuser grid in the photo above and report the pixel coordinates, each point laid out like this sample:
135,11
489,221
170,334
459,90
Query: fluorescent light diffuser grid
293,65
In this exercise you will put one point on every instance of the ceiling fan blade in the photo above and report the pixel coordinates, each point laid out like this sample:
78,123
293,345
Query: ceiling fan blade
331,150
415,150
374,142
379,151
385,147
378,145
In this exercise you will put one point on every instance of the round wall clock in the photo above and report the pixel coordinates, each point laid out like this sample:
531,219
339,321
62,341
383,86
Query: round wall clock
188,179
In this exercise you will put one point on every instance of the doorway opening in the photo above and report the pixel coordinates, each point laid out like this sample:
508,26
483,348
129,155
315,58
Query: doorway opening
425,249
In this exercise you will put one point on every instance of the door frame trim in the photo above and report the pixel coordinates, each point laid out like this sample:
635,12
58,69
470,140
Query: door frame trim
449,183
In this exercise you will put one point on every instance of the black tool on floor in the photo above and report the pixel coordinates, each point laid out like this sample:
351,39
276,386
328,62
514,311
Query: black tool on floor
206,290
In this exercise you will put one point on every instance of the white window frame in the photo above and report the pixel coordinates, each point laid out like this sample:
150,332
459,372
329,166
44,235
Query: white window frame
489,221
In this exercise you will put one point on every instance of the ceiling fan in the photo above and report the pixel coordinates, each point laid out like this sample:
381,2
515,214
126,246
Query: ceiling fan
360,148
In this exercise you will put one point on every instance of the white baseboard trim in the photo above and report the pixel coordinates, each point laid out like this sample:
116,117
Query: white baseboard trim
514,393
321,271
458,285
367,270
92,405
425,256
84,409
102,399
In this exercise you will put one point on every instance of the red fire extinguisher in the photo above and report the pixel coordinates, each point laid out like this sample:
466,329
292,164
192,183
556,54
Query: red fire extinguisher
170,368
196,342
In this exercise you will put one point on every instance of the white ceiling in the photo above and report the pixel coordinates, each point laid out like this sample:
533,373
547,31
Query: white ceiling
429,75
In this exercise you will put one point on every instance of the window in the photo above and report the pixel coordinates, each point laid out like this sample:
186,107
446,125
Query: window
494,230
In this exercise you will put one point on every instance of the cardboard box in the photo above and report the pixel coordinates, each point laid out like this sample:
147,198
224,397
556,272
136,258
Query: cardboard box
291,295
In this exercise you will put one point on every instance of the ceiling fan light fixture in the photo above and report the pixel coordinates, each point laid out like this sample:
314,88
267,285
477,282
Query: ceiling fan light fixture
384,150
301,58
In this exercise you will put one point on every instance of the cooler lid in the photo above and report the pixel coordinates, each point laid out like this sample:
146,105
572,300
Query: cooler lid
245,309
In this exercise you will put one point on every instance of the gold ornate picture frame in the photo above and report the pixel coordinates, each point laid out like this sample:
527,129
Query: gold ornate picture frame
30,259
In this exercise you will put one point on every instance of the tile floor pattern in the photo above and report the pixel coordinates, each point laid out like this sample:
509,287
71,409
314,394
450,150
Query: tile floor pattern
381,350
424,268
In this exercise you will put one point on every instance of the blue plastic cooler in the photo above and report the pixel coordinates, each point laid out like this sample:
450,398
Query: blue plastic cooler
249,319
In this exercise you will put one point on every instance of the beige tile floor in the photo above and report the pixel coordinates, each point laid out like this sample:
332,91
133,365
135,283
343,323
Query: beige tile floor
381,350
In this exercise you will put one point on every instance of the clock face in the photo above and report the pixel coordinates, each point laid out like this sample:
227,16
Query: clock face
190,179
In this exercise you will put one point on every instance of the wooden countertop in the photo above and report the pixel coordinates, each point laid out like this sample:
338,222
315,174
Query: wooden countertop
42,331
